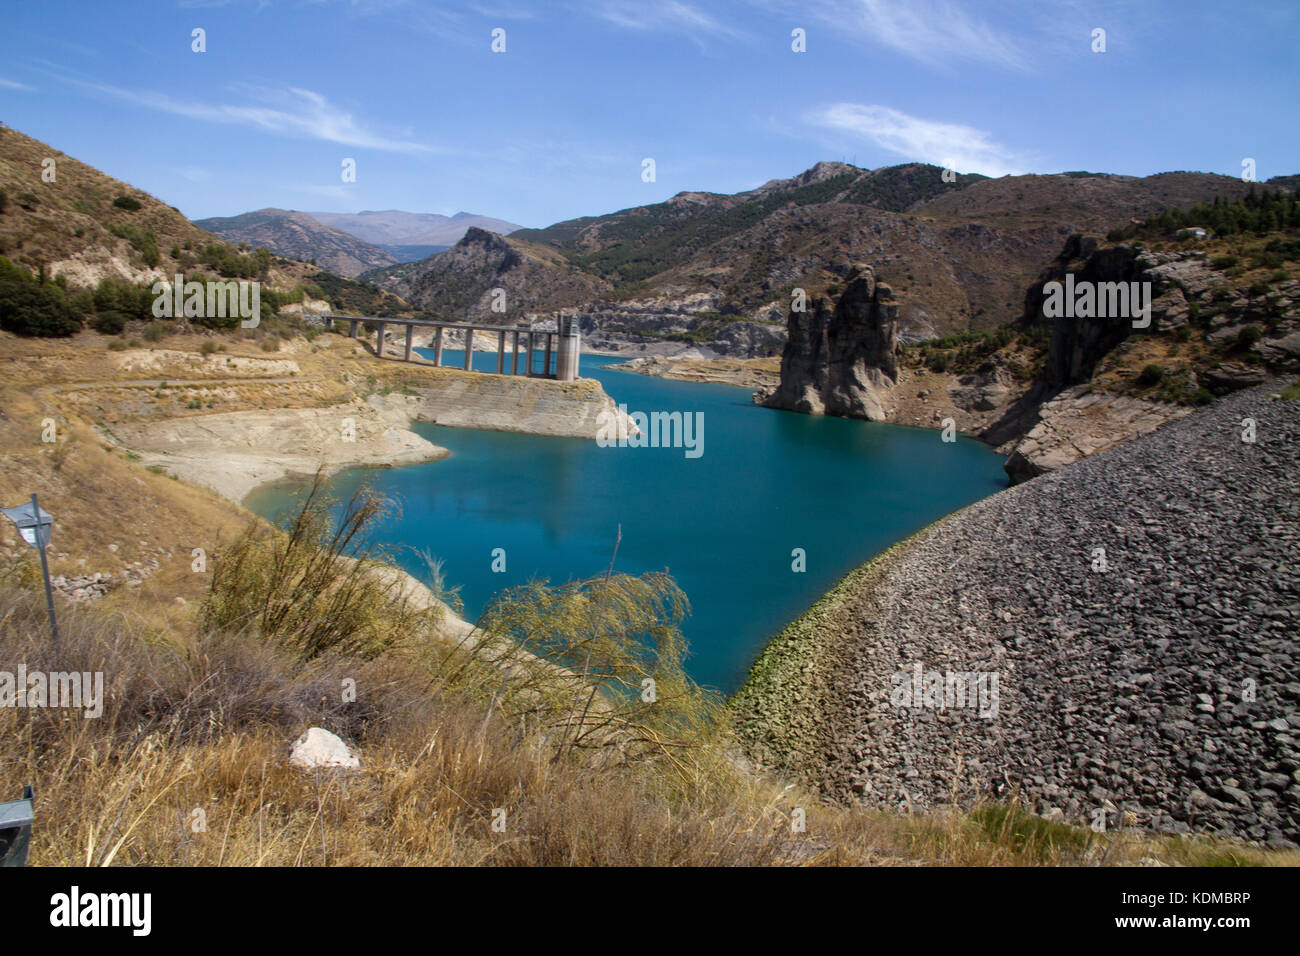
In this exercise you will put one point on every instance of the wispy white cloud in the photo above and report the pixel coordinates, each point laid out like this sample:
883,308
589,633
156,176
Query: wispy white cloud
950,145
294,112
937,32
507,11
15,85
329,191
666,15
934,32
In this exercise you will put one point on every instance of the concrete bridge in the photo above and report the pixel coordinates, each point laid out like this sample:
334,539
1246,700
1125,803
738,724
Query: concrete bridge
563,343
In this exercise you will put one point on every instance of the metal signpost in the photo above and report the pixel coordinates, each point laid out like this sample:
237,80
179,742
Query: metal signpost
16,817
35,524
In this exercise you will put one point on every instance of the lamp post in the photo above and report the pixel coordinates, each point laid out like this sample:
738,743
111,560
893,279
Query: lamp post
35,525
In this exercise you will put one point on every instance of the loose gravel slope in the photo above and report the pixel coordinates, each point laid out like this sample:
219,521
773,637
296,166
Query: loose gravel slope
1162,692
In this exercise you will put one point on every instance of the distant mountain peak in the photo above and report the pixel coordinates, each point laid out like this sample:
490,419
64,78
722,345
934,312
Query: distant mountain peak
299,235
396,227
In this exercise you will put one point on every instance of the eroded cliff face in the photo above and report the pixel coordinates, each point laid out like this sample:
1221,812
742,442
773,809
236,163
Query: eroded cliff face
842,360
1093,358
1080,341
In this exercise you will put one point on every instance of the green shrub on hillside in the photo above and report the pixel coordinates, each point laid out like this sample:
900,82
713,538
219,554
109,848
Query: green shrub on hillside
314,589
1151,375
118,295
1247,337
129,203
110,323
231,264
30,309
142,239
155,331
12,273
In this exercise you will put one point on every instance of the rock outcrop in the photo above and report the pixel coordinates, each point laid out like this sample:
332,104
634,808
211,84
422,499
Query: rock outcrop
1074,419
1079,422
838,361
1080,342
1184,288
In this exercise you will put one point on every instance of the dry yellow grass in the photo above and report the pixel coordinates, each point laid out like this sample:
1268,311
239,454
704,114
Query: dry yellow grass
188,766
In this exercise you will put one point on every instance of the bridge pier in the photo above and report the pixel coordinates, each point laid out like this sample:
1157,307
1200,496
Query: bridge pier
561,346
568,351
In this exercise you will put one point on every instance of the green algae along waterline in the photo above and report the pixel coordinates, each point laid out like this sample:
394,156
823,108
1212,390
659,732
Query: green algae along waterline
759,495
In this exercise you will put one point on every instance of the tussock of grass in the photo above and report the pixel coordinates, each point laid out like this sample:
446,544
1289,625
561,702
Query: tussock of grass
312,587
205,724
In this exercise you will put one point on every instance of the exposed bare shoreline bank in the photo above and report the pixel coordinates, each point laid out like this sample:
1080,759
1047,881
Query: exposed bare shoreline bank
1038,434
233,454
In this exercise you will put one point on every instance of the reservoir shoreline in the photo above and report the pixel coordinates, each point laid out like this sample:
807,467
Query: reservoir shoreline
728,526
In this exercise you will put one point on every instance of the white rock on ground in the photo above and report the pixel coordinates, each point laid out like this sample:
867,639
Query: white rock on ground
318,748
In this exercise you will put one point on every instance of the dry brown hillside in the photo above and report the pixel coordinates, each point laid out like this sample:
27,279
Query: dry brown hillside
63,225
86,226
957,254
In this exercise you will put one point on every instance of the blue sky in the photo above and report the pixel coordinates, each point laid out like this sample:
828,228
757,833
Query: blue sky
558,125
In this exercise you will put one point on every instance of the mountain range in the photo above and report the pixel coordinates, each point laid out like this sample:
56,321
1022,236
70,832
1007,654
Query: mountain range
351,243
394,227
299,235
958,251
709,268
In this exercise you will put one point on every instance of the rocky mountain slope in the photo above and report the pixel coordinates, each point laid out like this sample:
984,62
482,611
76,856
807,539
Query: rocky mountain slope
958,255
299,235
1211,333
1051,389
460,281
1152,684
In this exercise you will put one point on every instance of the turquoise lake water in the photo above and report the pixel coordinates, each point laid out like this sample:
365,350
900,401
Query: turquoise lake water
724,524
